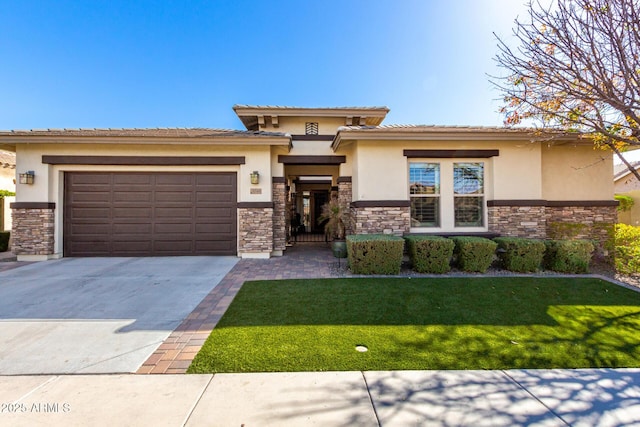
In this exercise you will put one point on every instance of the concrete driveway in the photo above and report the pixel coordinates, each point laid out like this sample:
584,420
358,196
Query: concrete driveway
97,315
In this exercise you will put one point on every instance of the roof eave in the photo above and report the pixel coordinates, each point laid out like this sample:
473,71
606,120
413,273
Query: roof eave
344,136
249,114
12,141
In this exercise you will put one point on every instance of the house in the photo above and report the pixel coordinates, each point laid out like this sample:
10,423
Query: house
7,182
137,192
626,184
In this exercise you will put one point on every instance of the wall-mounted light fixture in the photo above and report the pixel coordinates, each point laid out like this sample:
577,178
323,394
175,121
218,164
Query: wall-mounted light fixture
27,177
255,177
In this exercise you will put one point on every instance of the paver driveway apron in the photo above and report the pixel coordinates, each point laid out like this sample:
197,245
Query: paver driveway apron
97,315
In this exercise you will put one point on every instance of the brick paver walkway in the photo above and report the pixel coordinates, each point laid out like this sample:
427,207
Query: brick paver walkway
305,260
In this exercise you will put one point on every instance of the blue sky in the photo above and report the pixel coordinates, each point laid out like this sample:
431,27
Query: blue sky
69,64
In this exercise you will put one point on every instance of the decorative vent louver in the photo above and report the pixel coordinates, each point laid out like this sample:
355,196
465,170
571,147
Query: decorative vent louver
311,128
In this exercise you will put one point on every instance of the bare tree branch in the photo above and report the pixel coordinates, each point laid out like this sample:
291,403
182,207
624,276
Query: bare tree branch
576,68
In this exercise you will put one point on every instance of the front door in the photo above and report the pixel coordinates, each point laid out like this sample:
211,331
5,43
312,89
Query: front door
319,199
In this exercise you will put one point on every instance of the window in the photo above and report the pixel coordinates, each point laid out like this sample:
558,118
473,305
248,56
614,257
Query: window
424,189
311,128
447,195
468,190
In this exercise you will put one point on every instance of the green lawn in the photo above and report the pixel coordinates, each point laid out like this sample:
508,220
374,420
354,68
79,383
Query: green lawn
425,323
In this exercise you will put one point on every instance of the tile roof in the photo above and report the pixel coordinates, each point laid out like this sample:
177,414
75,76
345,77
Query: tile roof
135,132
621,169
441,128
7,160
285,107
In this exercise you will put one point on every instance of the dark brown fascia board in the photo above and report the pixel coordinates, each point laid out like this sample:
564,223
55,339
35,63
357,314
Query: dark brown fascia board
553,203
311,181
32,205
278,180
536,202
381,204
311,160
312,137
450,154
580,203
255,205
344,179
143,160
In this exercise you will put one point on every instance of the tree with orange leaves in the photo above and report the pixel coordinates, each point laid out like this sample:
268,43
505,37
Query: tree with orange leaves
577,69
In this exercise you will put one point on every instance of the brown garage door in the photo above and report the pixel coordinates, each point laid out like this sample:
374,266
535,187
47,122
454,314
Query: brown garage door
149,214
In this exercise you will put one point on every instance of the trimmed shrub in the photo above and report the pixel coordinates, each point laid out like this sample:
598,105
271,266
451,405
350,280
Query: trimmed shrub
375,253
520,254
474,254
568,256
4,240
627,249
430,254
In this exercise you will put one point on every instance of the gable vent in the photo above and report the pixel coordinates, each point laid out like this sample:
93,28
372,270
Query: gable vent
311,128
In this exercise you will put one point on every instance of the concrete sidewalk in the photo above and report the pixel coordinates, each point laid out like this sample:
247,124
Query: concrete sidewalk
587,397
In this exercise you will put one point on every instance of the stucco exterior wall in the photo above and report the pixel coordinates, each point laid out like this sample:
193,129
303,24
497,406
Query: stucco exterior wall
631,217
576,172
626,183
7,176
49,179
382,168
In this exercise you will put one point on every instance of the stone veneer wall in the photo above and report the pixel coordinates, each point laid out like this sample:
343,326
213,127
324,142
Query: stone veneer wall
279,214
554,220
518,221
581,222
33,231
255,229
345,196
382,219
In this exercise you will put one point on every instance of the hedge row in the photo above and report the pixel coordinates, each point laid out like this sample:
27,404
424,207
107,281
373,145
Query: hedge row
627,251
382,254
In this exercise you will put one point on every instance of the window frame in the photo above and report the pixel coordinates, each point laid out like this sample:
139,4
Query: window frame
447,195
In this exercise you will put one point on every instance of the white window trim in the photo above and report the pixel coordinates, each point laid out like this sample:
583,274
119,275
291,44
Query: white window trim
447,212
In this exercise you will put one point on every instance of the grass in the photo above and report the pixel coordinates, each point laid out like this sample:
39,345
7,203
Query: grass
425,323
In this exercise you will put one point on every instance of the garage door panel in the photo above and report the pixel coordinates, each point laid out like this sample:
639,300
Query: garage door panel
127,179
176,212
129,229
221,228
133,212
96,247
214,212
90,229
138,214
91,179
92,212
217,198
131,248
213,246
217,179
132,196
93,196
174,197
166,228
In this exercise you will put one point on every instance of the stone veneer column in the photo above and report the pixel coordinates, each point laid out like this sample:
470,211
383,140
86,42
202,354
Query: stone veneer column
517,218
279,215
345,197
382,217
33,229
255,223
